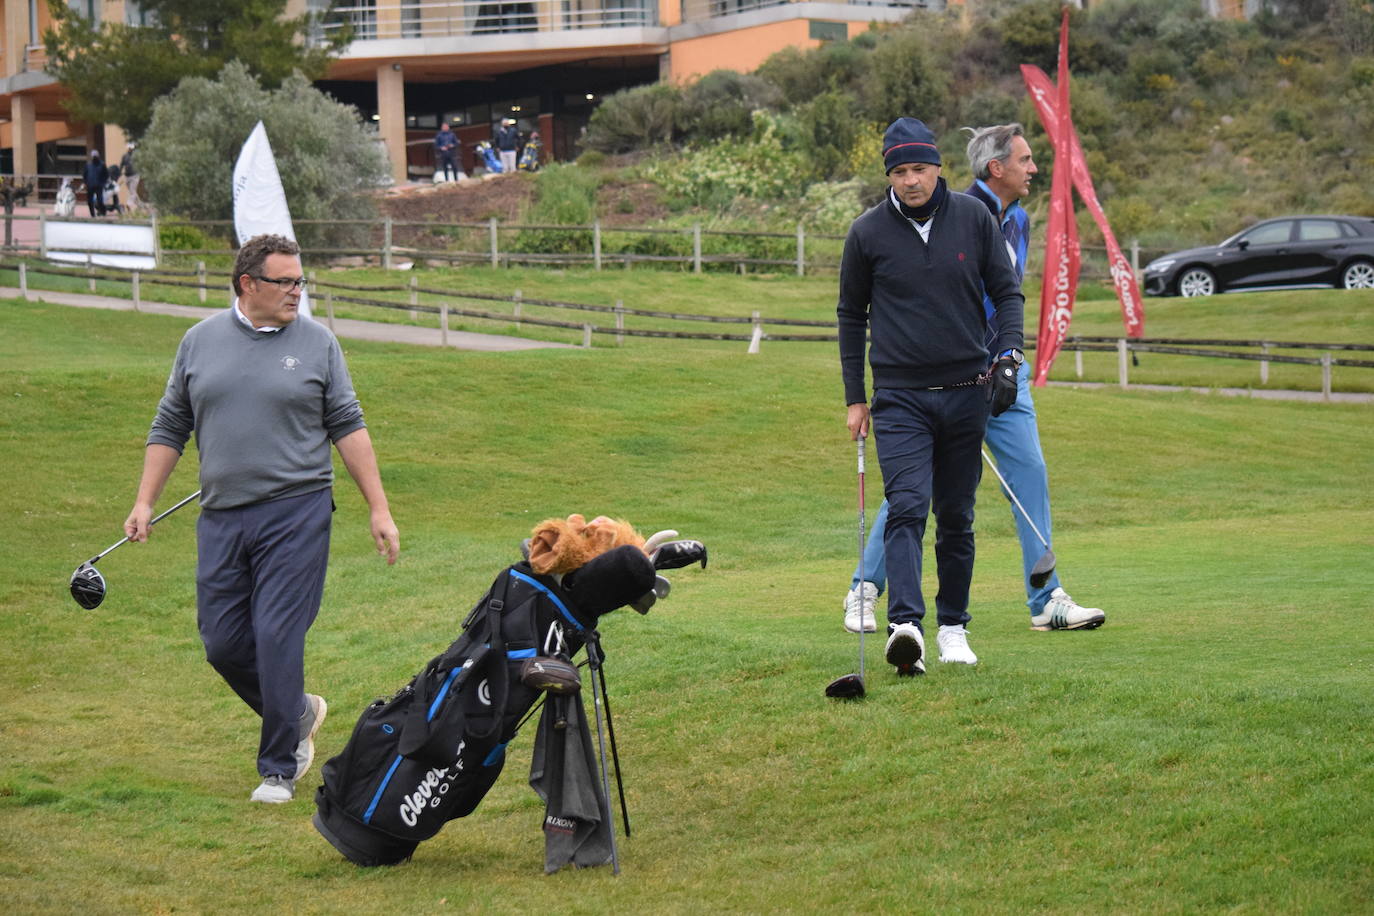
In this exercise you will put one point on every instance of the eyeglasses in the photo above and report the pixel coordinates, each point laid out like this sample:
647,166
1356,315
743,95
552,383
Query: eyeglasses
285,284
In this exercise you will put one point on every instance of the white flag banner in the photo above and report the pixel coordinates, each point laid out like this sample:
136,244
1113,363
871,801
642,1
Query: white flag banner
259,201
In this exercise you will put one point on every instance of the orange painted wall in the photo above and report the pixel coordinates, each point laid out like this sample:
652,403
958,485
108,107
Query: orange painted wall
742,50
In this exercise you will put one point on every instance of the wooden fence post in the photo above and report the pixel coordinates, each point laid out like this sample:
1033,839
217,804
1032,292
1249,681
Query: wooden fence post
157,242
136,291
414,297
756,338
43,234
443,323
495,253
519,303
696,248
1121,362
619,322
596,244
90,269
1078,362
1264,364
329,307
24,279
200,278
801,250
386,243
1326,376
586,337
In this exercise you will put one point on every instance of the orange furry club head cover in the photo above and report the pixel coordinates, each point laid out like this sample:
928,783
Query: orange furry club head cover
560,545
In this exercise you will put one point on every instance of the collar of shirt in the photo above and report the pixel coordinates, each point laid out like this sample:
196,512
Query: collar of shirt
1003,213
238,313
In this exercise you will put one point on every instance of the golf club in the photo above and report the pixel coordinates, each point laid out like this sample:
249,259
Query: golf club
1044,567
88,585
851,686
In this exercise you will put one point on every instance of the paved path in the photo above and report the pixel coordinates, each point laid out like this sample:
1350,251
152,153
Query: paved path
343,327
1275,394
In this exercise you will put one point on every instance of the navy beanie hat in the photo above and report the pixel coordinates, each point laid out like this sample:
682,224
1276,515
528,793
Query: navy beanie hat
908,140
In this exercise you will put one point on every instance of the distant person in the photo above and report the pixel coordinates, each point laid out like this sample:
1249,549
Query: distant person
446,148
507,143
131,179
264,393
913,276
1003,167
95,176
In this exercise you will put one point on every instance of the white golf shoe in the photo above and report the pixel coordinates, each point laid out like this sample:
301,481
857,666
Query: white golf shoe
311,720
906,649
274,790
1063,613
856,608
953,643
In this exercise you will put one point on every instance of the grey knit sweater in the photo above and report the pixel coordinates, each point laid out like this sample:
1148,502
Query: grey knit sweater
264,408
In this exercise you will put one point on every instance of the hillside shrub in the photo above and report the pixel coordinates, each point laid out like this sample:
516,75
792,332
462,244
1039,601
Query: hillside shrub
640,118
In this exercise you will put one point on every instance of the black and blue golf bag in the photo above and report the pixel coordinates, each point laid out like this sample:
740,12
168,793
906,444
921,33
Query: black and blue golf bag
432,751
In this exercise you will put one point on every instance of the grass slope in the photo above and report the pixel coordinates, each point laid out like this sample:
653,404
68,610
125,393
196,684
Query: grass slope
1207,750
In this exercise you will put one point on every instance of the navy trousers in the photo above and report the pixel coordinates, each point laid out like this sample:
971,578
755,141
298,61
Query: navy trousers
929,446
259,580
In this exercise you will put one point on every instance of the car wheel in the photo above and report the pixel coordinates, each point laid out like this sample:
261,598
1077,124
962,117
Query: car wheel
1359,275
1196,281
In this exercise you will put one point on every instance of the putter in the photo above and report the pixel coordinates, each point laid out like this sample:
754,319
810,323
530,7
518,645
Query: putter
851,686
88,585
1040,572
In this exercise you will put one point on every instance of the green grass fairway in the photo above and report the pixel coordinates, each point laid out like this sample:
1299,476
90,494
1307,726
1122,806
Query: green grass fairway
1208,750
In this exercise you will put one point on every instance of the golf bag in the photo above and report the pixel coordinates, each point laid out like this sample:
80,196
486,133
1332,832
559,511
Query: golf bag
489,157
431,752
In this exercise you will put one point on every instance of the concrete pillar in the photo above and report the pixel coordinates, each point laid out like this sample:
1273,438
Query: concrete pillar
391,108
24,131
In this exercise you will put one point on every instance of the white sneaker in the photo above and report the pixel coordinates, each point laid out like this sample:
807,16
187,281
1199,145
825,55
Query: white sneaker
852,608
311,720
275,790
953,643
1063,613
906,649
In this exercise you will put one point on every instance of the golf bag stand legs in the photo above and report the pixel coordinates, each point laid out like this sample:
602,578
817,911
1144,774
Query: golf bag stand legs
594,660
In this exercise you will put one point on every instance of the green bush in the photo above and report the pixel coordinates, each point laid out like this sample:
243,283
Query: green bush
177,236
638,118
722,104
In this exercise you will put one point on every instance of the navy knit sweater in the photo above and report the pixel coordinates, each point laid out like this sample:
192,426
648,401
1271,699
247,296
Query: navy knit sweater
923,300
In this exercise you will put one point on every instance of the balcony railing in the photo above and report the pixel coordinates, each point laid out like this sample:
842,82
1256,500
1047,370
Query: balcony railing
387,19
701,10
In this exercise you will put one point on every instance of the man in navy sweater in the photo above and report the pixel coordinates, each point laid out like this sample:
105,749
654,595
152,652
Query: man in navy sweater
914,272
1003,168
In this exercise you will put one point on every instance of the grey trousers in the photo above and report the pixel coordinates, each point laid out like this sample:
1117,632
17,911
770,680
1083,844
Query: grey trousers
259,580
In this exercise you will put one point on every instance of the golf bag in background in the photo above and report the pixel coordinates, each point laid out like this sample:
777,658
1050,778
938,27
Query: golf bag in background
489,159
432,751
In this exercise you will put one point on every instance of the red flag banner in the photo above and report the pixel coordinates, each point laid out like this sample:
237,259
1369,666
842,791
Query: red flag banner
1043,92
1062,257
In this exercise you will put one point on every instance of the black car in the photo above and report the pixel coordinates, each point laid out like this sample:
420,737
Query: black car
1289,253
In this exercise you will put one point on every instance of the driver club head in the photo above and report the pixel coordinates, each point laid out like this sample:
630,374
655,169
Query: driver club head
1043,569
849,687
88,586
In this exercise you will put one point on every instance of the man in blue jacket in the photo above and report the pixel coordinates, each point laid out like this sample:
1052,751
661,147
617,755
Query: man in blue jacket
446,149
1003,168
914,273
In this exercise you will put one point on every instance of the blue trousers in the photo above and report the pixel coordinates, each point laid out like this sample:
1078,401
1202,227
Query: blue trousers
928,446
1014,440
259,580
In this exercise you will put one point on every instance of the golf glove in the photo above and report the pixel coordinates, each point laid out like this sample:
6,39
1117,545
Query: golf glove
1003,385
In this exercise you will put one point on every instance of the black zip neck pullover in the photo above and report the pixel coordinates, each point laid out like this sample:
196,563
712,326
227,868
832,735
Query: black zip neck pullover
924,300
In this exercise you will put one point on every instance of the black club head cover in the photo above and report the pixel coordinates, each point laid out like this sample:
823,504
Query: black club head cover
677,554
614,579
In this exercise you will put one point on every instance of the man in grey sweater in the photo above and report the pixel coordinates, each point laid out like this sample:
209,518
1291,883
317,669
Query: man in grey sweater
265,395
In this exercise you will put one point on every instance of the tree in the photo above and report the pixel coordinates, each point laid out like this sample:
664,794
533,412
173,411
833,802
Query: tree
327,159
115,71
